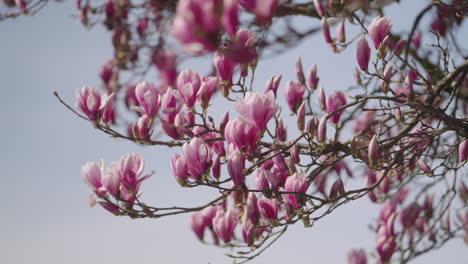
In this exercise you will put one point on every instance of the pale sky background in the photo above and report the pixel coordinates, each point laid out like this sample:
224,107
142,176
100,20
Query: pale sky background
45,217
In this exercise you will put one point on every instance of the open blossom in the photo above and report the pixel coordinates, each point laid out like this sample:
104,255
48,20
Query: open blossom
148,98
207,89
91,173
242,133
179,168
111,179
335,101
379,29
188,84
130,170
242,48
259,108
198,156
106,111
195,21
295,183
224,224
268,208
88,100
293,94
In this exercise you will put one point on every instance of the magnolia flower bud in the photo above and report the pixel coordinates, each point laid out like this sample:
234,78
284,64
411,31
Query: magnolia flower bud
223,122
463,151
319,7
363,54
301,117
373,150
273,84
322,129
423,165
322,100
312,126
398,115
312,79
281,131
340,32
299,71
236,165
326,31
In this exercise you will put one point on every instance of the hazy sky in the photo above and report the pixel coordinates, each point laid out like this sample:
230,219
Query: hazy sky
45,216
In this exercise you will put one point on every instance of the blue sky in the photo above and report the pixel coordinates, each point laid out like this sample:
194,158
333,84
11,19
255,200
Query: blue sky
45,216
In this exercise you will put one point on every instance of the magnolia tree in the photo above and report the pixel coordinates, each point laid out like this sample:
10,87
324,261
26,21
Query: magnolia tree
397,136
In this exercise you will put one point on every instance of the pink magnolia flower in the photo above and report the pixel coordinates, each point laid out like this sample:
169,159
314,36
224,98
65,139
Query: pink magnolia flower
197,224
106,71
357,257
229,17
263,9
235,166
195,21
170,106
207,89
179,168
111,179
272,84
88,100
225,69
91,173
142,128
363,54
198,156
130,170
188,84
261,178
295,183
335,101
224,224
106,111
379,29
242,133
251,208
258,108
148,98
268,208
242,48
293,94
